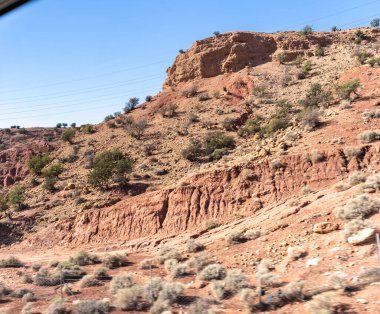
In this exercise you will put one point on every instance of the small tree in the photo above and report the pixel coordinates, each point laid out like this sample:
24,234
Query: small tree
58,125
359,36
51,175
136,128
4,207
131,104
345,90
37,163
334,29
216,33
307,30
110,165
73,125
375,22
68,135
16,197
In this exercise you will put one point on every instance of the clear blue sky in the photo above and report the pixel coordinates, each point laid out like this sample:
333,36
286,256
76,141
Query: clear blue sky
79,60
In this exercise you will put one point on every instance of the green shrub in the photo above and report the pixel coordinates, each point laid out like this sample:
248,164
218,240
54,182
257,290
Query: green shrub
37,163
109,165
58,306
345,90
320,51
193,151
43,278
309,119
275,124
307,67
306,30
334,29
375,22
89,281
68,135
23,131
16,197
373,61
252,126
362,56
281,57
131,104
217,140
51,175
87,128
4,207
359,37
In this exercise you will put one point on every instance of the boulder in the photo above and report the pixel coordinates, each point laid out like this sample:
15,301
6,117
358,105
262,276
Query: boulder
325,227
363,236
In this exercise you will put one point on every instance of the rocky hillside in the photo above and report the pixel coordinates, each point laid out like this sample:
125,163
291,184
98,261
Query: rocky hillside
263,147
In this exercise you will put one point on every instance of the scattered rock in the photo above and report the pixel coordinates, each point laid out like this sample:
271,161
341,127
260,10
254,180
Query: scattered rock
362,236
313,261
325,227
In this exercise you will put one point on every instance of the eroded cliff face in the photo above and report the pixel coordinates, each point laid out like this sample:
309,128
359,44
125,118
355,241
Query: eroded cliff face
221,194
231,52
13,161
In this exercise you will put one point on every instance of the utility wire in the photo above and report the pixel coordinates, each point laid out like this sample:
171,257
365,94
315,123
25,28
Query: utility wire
80,91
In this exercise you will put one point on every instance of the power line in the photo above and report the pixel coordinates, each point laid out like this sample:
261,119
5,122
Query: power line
90,77
81,90
76,103
333,14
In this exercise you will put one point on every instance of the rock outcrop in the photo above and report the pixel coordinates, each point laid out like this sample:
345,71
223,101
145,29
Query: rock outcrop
231,52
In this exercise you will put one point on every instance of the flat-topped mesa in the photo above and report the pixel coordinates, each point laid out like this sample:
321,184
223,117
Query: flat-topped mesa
231,52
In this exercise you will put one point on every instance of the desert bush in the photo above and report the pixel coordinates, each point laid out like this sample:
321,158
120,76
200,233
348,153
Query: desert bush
369,136
37,163
373,61
101,273
306,30
229,124
4,207
170,292
259,91
359,37
191,92
213,271
296,252
11,262
160,307
281,57
87,128
275,124
334,29
69,270
235,281
374,114
91,306
345,90
115,261
131,104
112,164
316,97
166,252
53,263
198,262
169,110
16,197
136,129
362,56
194,246
358,207
375,22
58,306
236,237
307,67
320,51
252,126
121,281
176,269
20,293
267,277
68,135
83,258
217,140
193,151
252,234
146,264
351,227
371,274
27,278
317,157
322,303
310,119
4,291
351,151
36,266
200,306
204,97
27,309
356,178
108,118
277,164
372,182
89,281
211,224
43,278
29,297
306,190
130,299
